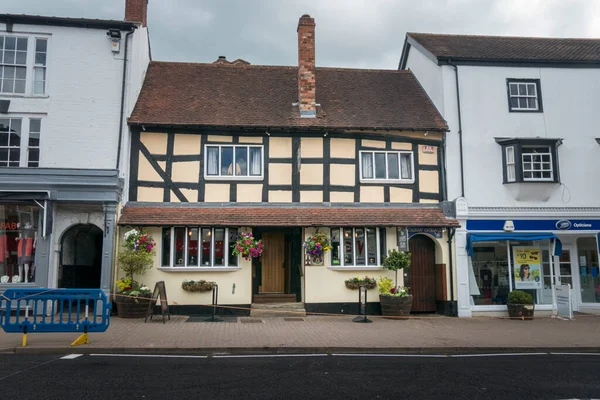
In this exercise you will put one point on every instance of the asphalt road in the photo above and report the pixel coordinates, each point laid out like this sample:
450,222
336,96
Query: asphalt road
327,377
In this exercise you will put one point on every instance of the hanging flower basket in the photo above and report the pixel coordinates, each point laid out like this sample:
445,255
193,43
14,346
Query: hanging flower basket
247,246
315,248
197,286
357,282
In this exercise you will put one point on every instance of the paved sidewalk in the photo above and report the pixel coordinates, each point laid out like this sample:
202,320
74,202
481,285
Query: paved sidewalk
323,334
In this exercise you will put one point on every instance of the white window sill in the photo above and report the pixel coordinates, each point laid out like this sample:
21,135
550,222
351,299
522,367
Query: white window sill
24,96
361,268
233,178
199,269
384,181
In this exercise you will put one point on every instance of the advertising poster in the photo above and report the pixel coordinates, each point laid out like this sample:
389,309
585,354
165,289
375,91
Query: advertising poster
527,262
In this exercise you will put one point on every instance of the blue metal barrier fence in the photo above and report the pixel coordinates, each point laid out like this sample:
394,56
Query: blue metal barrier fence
54,310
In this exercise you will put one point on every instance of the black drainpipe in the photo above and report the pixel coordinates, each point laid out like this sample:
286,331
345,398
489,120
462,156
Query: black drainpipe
453,311
122,99
462,175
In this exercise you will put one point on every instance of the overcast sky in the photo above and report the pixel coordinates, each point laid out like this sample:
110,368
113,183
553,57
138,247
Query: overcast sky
350,33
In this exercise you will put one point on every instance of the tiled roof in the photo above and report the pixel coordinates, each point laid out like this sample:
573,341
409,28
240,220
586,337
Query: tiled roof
153,215
509,48
263,96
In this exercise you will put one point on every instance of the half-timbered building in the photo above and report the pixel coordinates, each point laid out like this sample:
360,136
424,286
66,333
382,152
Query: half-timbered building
283,152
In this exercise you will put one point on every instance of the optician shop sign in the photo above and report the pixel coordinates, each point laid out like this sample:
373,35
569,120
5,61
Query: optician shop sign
535,224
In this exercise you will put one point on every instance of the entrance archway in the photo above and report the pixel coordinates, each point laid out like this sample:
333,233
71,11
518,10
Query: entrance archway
421,275
81,257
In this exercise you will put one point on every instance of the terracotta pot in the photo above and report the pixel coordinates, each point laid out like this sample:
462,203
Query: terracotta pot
396,306
133,307
521,311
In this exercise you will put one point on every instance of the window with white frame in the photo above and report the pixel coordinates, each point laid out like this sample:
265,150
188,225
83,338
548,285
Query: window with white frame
524,95
33,148
10,142
356,247
386,165
15,67
233,162
530,160
196,246
537,163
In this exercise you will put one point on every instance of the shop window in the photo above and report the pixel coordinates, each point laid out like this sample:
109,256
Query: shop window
587,251
359,247
528,263
233,162
386,166
530,160
19,226
198,247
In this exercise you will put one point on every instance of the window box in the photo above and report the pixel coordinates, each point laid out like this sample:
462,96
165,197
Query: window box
524,95
529,160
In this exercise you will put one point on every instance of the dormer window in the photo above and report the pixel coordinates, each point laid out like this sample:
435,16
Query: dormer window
529,160
524,95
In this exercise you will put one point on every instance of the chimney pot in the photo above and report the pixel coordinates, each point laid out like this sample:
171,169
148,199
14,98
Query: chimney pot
136,11
306,67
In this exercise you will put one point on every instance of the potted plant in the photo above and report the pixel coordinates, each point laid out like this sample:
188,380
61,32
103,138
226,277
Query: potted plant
247,246
197,286
520,305
315,247
356,282
135,257
395,301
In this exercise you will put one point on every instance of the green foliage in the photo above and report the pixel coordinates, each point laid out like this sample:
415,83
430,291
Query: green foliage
396,260
134,262
358,279
519,297
385,285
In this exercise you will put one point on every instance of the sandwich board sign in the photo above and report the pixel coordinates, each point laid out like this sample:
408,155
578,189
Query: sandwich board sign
563,301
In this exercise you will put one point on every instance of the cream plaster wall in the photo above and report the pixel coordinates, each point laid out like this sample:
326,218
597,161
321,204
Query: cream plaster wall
343,148
311,174
190,194
400,195
371,194
379,144
430,201
428,158
146,172
186,144
216,192
251,139
251,193
429,181
311,196
280,174
280,147
150,194
156,143
311,148
342,174
187,171
341,197
280,196
219,138
242,279
326,285
401,146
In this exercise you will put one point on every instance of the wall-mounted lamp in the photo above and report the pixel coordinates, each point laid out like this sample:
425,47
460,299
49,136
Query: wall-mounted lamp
114,35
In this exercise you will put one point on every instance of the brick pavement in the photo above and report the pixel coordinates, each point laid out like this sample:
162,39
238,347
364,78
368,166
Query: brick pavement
326,333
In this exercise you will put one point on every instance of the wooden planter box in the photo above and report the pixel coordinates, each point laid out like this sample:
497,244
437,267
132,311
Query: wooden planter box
395,306
356,285
197,287
133,307
521,311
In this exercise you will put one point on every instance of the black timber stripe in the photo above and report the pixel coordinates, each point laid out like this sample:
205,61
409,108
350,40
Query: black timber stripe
168,182
134,160
326,168
415,150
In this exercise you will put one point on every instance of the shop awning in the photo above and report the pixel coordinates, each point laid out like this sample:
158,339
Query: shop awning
260,215
493,237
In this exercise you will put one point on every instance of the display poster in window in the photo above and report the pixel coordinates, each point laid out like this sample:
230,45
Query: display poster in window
527,273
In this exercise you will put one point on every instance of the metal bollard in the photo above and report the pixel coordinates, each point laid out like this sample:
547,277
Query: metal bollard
362,302
215,301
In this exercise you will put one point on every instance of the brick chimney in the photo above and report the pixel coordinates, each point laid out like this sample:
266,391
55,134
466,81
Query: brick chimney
306,67
136,11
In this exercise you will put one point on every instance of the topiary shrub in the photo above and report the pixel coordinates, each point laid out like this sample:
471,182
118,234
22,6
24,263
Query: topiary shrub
519,297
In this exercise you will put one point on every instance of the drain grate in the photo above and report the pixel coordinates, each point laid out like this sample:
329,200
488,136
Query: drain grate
293,319
251,321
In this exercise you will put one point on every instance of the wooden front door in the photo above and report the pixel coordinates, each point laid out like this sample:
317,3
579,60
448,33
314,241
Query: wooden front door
273,263
421,276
